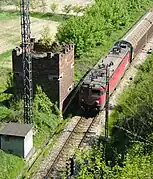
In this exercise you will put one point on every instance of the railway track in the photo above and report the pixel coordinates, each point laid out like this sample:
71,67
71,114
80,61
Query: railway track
75,140
84,126
63,150
80,127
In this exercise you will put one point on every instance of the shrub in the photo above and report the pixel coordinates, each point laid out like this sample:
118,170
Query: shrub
45,112
97,23
77,9
46,38
53,7
67,9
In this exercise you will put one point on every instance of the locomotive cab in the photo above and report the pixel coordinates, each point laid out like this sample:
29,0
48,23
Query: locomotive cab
125,44
93,91
90,97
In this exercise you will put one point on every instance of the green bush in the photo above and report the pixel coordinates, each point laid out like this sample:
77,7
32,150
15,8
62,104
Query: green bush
90,164
10,165
136,102
137,165
98,22
4,112
98,29
46,117
46,38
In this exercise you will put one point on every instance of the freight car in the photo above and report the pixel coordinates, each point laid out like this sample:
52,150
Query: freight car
92,93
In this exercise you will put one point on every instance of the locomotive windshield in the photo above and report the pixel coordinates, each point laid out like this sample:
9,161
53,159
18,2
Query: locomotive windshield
84,90
96,92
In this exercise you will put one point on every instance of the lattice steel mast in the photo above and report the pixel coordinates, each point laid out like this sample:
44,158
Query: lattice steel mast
27,61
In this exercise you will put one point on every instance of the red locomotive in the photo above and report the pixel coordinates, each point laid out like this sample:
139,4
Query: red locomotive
92,94
93,89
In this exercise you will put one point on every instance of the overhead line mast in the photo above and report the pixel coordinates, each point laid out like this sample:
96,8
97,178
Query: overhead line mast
107,102
27,61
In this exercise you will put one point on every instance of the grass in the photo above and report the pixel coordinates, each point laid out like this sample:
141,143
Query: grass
6,15
5,55
49,16
4,71
42,137
10,165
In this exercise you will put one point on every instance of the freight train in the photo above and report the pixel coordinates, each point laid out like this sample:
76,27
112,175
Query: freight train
92,93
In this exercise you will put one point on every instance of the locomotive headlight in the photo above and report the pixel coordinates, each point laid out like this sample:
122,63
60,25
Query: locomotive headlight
97,102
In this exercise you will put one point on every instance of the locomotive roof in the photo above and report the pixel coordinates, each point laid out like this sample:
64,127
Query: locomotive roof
97,76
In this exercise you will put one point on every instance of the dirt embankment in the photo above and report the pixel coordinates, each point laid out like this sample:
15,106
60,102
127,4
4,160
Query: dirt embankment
10,33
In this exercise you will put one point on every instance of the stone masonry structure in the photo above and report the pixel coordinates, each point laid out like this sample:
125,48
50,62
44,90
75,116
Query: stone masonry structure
54,72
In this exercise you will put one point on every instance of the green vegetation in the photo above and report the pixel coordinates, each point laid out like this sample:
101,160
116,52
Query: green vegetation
53,7
8,15
5,55
95,32
46,38
46,115
77,9
136,164
67,9
129,151
100,26
10,165
49,16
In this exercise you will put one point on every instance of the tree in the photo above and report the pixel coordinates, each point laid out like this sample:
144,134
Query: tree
53,7
17,4
78,9
43,5
96,25
34,4
67,9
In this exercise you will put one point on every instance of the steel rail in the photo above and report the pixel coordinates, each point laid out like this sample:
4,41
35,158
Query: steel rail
68,140
57,157
85,134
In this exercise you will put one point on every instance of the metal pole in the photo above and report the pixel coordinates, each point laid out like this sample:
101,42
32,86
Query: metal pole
27,61
107,103
106,114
